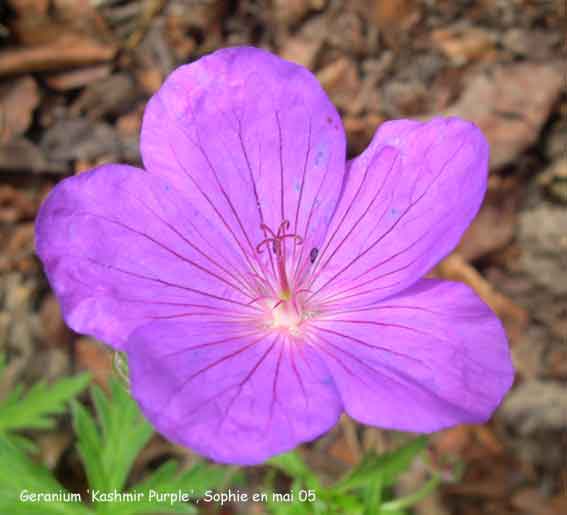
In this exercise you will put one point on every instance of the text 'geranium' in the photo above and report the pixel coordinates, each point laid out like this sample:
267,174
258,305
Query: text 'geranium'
260,284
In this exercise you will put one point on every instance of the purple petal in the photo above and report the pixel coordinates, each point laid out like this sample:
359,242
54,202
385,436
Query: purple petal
121,248
408,199
228,391
431,357
251,139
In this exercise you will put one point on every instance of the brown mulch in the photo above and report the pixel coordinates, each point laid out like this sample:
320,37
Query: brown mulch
74,79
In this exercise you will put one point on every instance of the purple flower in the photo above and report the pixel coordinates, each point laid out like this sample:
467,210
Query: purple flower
260,283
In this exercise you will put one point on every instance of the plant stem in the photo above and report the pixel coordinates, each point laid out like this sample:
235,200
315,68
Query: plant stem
410,500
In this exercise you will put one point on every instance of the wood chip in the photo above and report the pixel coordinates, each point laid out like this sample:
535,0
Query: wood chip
341,81
55,332
67,51
94,357
455,268
492,229
111,96
21,155
18,99
302,50
395,18
77,78
464,44
510,105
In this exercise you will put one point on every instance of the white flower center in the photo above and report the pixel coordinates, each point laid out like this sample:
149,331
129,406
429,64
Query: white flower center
286,316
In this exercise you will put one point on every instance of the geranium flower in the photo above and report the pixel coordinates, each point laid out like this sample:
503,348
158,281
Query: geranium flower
260,284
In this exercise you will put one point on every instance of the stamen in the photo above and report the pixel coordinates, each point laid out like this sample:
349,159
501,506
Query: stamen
277,239
277,242
257,299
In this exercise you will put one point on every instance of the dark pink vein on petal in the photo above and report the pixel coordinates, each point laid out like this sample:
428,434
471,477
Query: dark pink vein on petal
298,376
229,317
324,349
138,199
241,384
387,307
210,366
255,189
391,228
167,249
229,201
298,208
344,217
397,326
392,375
215,209
385,374
169,303
280,147
274,387
356,223
164,283
298,273
237,277
211,344
369,345
337,296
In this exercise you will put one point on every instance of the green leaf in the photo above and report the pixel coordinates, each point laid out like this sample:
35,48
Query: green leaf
279,506
109,449
398,505
196,480
293,465
35,409
373,495
108,446
316,499
343,503
88,444
387,467
20,477
23,443
167,480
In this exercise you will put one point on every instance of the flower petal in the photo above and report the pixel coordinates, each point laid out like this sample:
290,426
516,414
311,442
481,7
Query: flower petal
408,199
121,247
429,358
230,392
251,139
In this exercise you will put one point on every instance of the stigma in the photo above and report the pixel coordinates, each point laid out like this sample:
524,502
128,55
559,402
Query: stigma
277,242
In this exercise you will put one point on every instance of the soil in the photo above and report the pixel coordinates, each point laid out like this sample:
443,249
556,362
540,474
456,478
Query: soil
74,79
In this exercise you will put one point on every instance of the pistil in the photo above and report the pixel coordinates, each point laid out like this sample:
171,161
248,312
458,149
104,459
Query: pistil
277,241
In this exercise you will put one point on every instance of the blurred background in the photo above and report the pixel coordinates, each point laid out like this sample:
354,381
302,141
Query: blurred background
75,76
